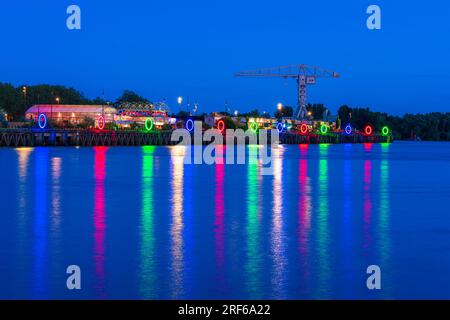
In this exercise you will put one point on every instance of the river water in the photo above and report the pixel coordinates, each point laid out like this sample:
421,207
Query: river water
142,224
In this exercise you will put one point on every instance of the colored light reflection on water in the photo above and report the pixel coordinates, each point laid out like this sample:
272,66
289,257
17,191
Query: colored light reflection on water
277,241
177,226
40,222
304,215
219,213
148,252
99,219
384,245
143,224
322,224
253,257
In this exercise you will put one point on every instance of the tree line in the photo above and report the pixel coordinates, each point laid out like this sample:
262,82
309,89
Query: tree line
430,126
14,101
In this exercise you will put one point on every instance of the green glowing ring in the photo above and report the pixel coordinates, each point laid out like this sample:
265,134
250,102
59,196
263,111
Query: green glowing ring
254,126
149,124
385,131
323,129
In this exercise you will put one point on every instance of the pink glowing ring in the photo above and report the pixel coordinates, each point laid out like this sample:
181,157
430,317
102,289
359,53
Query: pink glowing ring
101,122
303,128
368,130
221,125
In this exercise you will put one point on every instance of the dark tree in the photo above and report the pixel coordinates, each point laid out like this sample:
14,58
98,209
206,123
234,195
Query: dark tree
130,96
252,114
316,110
285,112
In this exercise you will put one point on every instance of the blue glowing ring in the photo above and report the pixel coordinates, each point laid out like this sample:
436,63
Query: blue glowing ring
348,129
190,125
280,127
42,121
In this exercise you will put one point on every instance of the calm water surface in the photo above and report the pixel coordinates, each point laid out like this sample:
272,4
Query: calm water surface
142,224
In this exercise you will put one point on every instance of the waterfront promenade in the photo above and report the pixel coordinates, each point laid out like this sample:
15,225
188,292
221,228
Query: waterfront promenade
49,137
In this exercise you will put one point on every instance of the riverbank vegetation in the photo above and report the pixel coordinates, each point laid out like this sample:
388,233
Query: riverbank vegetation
14,101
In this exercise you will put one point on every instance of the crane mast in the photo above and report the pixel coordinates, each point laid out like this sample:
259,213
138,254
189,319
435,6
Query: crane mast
305,75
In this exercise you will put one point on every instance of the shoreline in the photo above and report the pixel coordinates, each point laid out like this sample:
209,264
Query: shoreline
90,138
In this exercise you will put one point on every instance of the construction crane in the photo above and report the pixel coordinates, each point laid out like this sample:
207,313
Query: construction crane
305,75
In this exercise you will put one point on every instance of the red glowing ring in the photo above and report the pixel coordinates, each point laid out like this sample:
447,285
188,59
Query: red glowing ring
303,128
101,122
368,130
221,125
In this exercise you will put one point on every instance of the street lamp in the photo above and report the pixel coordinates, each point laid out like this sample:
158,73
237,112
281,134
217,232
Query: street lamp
57,100
279,106
236,113
180,101
24,91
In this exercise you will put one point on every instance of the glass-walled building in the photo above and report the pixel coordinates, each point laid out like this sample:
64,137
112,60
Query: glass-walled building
71,113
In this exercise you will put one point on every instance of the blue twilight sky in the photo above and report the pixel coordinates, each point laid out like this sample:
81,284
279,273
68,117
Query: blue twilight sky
166,48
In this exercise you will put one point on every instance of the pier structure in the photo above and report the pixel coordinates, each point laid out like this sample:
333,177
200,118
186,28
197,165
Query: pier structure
87,138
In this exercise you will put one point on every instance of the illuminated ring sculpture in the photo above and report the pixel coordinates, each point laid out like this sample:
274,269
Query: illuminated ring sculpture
42,121
254,126
280,127
385,131
368,130
101,122
221,125
348,129
190,125
323,129
148,124
303,128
